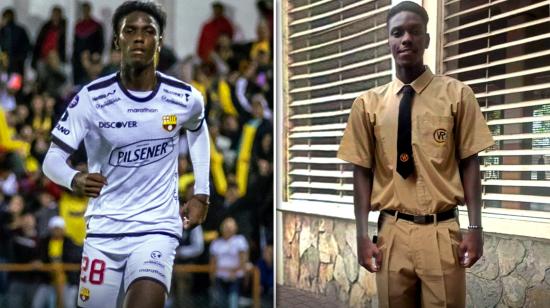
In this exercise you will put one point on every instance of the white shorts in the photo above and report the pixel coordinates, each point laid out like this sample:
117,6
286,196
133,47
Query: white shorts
107,262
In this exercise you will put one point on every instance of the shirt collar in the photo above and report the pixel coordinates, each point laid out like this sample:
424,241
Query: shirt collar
419,84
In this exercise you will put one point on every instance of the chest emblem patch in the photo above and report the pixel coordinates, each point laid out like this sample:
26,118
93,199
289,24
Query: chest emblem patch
169,122
84,294
440,135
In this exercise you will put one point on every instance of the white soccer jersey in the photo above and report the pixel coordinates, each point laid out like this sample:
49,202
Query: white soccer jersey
133,142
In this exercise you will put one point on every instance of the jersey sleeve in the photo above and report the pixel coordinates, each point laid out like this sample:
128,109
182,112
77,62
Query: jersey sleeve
472,133
196,116
74,123
357,145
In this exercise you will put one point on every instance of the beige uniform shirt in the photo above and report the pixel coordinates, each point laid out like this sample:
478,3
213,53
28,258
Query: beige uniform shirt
447,125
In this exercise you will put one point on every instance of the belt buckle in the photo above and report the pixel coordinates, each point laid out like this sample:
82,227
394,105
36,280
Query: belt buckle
419,220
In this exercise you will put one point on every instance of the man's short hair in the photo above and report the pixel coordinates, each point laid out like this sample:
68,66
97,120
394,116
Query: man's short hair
155,10
408,6
9,12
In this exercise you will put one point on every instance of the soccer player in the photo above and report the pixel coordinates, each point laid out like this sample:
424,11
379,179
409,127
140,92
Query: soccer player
130,122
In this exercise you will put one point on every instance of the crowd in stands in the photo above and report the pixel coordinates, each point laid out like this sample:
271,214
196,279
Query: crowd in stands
41,222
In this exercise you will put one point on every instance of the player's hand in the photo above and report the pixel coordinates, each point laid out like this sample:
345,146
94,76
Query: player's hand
90,184
366,251
471,248
194,211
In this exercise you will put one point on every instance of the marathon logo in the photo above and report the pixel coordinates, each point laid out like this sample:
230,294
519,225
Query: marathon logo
107,102
166,99
141,153
104,95
63,130
126,124
140,110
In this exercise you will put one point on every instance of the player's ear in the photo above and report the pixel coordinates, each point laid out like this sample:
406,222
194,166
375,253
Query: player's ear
160,43
115,42
427,43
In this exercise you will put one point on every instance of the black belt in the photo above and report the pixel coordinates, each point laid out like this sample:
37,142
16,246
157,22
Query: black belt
423,219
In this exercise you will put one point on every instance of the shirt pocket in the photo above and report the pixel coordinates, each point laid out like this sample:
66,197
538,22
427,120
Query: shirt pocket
435,135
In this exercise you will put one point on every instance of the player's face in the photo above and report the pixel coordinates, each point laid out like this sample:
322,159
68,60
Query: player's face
408,39
138,39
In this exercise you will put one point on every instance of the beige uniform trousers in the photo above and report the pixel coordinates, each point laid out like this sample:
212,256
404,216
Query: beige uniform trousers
420,266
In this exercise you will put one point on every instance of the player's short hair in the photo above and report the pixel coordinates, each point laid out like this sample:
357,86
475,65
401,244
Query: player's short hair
408,6
149,7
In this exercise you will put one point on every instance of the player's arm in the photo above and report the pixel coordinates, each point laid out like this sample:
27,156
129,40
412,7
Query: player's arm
473,239
56,168
67,134
472,135
195,210
362,190
357,147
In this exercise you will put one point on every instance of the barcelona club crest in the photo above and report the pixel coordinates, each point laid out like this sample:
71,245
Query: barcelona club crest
169,122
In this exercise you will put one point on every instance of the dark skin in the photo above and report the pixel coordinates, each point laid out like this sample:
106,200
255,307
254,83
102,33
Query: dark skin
408,40
138,39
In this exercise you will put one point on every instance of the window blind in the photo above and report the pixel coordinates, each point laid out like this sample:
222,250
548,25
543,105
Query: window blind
335,50
502,50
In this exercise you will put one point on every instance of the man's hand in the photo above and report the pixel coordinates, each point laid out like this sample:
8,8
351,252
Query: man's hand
90,184
366,250
471,248
194,211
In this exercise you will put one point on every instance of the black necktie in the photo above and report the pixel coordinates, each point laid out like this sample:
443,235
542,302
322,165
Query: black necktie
405,161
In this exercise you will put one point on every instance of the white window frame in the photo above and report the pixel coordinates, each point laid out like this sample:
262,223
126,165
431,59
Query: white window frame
528,223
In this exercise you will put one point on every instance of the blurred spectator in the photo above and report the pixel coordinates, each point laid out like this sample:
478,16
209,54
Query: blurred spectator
219,24
24,249
246,86
265,8
91,62
8,179
10,83
71,208
42,113
114,62
253,134
48,210
228,257
50,38
223,55
51,76
57,247
166,60
265,265
191,247
14,41
263,42
88,36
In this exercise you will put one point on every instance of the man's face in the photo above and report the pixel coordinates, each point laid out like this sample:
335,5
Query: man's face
138,39
408,39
